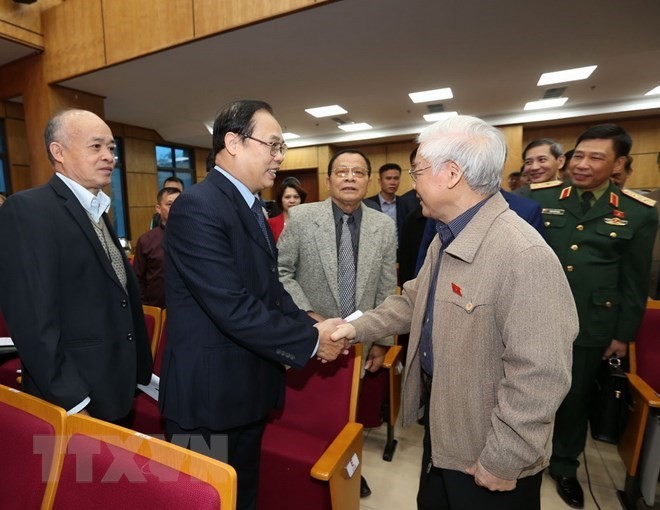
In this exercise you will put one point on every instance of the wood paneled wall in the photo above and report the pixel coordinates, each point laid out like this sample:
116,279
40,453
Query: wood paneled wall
22,22
87,35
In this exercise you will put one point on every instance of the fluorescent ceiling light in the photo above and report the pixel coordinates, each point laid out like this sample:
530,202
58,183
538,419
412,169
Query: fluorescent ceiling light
580,73
546,103
326,111
290,136
431,95
653,92
432,117
356,126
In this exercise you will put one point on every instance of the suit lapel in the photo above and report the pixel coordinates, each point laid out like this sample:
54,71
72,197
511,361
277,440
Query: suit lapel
369,240
243,211
76,210
325,237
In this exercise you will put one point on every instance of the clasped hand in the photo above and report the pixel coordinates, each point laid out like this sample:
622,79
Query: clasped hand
329,347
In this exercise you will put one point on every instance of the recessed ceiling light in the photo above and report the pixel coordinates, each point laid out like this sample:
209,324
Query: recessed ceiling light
355,126
579,73
431,95
290,136
653,92
546,103
326,111
432,117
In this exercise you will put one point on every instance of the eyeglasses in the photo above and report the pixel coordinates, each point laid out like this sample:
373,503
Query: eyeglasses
414,172
275,147
359,172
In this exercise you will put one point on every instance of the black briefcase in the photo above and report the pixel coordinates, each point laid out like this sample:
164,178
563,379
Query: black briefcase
612,404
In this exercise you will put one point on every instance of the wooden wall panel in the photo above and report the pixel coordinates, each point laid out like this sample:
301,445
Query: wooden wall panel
213,16
200,164
140,156
140,27
302,157
73,32
140,220
17,146
514,137
142,190
22,22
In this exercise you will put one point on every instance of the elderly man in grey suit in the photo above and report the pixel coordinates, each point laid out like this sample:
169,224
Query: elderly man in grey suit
338,256
492,322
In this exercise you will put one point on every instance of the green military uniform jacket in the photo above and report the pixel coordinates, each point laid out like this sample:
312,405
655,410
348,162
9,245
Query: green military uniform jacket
606,255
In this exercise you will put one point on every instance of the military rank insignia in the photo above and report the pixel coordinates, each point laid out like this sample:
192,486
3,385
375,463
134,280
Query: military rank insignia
614,200
618,222
565,193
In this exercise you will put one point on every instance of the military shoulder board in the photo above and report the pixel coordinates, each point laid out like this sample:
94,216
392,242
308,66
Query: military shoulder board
639,197
543,185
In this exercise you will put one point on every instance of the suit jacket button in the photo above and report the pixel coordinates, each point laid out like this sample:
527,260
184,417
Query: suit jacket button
612,234
277,302
580,228
272,269
575,247
124,303
129,337
546,223
608,304
569,269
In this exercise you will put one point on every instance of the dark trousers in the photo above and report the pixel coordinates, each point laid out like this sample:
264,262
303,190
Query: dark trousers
570,434
239,447
445,489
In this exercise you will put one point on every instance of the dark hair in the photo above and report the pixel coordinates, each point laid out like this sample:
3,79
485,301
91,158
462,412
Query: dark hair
52,132
210,161
173,178
236,117
388,166
555,147
290,182
628,166
621,140
349,151
413,153
514,174
167,190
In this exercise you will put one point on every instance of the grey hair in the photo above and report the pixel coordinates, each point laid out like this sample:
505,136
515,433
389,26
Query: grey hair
477,147
54,131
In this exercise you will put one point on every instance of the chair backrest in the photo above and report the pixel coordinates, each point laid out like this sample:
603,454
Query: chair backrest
153,319
322,397
158,355
647,346
110,467
4,331
31,442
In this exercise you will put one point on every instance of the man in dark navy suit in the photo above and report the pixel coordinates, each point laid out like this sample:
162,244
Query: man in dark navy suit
69,296
231,327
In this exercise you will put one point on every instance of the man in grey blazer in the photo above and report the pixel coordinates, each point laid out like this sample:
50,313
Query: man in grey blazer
492,322
310,251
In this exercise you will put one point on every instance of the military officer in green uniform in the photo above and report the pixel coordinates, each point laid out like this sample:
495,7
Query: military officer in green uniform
603,236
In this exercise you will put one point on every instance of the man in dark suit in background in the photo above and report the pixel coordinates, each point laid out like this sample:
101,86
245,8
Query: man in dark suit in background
69,296
387,201
232,328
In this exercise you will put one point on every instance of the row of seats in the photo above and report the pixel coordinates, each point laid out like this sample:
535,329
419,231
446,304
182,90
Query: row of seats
50,460
312,450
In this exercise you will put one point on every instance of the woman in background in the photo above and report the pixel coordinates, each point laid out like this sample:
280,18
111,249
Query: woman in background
290,194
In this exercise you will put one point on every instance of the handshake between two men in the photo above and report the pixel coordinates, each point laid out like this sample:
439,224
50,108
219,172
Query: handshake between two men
335,337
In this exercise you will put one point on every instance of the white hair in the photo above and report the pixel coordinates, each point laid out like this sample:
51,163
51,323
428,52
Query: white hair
477,147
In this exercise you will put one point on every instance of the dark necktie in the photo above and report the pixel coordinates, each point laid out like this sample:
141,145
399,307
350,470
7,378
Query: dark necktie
259,214
585,201
346,270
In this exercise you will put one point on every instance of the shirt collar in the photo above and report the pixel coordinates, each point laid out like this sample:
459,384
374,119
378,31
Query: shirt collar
247,195
450,231
338,213
95,205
